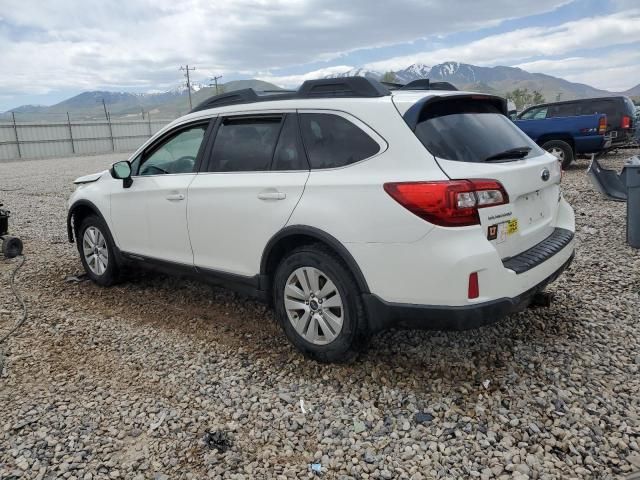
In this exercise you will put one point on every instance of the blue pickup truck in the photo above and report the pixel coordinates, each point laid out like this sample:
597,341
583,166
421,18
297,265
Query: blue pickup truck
566,137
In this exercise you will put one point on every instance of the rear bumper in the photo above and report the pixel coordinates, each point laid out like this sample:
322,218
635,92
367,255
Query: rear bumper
622,137
384,315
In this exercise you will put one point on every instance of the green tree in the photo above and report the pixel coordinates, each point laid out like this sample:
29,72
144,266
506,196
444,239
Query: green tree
389,77
522,97
537,98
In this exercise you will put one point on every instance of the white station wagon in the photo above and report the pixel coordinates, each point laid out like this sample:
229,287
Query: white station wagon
349,206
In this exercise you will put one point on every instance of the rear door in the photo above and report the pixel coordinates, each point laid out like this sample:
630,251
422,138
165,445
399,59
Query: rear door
472,138
255,174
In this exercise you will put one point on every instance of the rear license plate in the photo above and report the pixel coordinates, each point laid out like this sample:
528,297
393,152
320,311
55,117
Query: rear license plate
500,231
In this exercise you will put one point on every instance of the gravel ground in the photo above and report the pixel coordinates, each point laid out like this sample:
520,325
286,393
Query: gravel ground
165,378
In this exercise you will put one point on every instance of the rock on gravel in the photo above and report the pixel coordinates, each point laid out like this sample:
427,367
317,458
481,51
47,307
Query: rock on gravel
94,369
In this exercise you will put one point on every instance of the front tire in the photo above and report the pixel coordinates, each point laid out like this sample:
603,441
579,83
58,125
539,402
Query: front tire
561,150
97,251
318,304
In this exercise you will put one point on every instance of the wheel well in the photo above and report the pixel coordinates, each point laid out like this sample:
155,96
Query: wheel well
563,137
277,249
78,213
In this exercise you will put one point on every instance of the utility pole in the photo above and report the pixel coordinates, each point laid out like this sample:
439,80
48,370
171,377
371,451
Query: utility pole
106,114
215,82
558,96
187,70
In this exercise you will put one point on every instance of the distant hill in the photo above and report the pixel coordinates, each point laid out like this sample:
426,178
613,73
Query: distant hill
633,92
173,103
168,104
497,80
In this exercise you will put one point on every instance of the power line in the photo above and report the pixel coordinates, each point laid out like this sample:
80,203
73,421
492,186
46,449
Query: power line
215,80
187,70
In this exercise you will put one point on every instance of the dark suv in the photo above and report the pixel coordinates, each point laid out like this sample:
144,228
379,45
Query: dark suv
620,113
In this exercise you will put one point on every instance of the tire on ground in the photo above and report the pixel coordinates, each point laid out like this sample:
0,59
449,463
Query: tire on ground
354,335
112,272
564,147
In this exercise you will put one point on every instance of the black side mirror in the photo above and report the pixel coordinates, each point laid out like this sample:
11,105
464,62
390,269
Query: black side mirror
122,171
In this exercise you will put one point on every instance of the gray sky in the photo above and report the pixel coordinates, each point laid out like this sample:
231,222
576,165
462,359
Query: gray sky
52,50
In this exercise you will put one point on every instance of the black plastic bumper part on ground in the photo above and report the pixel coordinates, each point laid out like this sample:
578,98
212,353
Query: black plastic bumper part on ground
384,315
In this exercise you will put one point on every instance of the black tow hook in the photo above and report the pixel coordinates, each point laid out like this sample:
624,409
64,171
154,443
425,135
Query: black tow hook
541,300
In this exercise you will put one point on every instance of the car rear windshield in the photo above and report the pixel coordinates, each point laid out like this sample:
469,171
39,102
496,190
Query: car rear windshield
470,130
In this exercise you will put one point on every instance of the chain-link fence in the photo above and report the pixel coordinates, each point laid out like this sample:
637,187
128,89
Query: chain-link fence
58,135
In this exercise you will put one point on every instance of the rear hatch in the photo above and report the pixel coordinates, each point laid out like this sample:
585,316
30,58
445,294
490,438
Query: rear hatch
471,137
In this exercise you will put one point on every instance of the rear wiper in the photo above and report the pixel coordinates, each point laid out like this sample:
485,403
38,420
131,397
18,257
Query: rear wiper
518,152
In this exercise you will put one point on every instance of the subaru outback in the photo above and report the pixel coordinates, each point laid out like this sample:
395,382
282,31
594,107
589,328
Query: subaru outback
348,206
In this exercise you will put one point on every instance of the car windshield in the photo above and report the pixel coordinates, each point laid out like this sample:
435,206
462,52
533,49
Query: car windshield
468,130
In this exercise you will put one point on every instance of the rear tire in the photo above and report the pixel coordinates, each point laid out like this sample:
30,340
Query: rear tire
318,304
561,150
97,251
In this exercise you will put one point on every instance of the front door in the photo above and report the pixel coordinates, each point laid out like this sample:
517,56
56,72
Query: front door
150,217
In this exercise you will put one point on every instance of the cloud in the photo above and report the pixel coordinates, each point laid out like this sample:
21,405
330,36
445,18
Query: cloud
140,43
616,71
515,46
294,80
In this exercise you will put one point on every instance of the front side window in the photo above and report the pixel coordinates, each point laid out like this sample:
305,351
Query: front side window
176,155
332,141
245,144
472,131
535,114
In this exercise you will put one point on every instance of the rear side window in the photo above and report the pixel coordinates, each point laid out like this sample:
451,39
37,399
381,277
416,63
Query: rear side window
470,130
245,144
608,107
562,110
332,141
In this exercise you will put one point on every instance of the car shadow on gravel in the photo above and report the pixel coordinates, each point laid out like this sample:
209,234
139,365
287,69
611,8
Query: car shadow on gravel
219,315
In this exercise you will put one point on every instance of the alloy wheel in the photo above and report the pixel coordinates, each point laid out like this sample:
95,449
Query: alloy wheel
94,248
313,305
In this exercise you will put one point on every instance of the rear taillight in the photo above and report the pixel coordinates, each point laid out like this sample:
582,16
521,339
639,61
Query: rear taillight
602,126
625,122
452,203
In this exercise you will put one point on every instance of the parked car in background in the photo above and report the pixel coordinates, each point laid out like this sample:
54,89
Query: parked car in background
566,137
620,112
349,207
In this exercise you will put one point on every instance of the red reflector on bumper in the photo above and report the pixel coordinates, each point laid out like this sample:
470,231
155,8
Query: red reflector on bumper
474,288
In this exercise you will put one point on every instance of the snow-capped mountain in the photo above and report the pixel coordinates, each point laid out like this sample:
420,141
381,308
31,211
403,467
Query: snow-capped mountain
497,80
356,72
182,88
413,72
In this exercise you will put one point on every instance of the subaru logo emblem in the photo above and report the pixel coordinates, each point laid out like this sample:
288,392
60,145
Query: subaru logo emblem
545,174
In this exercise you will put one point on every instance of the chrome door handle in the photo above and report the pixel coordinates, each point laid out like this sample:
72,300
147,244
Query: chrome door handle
272,195
175,197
